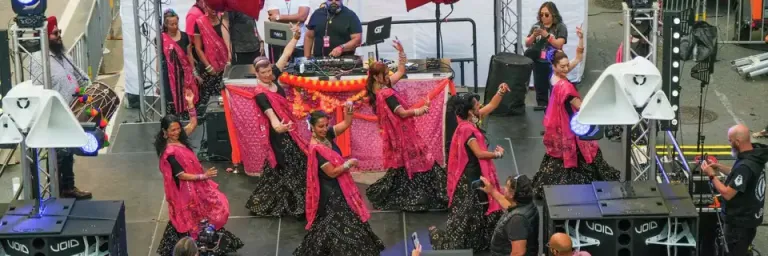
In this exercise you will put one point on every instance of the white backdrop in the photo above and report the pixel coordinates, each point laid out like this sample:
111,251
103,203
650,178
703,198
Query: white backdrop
418,40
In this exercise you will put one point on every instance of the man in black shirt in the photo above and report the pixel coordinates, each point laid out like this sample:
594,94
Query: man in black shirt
743,190
246,44
517,232
332,31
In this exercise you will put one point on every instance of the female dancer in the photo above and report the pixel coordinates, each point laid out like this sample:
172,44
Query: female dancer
568,159
549,32
213,52
191,194
337,218
471,220
177,60
281,187
413,182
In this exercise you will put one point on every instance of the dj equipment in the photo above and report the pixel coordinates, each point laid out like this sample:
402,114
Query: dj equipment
447,253
378,31
327,64
92,228
625,219
217,134
515,70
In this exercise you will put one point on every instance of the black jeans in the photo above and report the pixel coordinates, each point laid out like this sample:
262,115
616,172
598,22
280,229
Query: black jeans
66,165
739,240
541,74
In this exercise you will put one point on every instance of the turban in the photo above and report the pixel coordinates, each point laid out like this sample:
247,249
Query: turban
52,24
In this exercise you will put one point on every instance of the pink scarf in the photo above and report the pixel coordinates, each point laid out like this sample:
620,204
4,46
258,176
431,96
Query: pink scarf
559,140
458,159
260,147
216,50
170,45
402,145
347,184
191,201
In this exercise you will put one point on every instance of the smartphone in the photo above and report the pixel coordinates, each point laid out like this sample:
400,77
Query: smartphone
536,26
415,239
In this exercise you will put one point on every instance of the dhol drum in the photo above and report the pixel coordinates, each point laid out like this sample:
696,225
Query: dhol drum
99,101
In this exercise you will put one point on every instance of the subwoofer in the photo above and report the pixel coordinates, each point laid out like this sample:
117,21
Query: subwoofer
217,134
515,70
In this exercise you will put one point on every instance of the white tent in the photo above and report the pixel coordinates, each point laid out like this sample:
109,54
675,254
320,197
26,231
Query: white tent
418,40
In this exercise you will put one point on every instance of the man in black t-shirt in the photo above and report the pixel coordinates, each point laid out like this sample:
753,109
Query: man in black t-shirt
517,232
246,44
743,190
332,31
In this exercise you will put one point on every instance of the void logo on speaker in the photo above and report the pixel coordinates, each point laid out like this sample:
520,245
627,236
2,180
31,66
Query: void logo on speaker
648,226
17,246
599,228
65,245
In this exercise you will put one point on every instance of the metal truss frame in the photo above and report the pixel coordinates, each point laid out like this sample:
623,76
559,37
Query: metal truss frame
508,26
20,54
147,15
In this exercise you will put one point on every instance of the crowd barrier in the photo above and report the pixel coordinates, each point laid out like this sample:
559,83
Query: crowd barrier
88,50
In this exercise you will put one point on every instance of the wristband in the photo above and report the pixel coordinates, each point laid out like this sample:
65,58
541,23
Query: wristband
711,177
340,47
200,176
346,165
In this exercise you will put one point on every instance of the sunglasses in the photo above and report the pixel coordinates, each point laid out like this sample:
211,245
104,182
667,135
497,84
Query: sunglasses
544,14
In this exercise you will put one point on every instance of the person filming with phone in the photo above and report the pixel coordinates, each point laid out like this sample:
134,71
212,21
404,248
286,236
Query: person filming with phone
546,36
517,231
743,190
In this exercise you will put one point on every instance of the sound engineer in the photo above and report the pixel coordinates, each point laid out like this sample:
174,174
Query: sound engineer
743,190
332,31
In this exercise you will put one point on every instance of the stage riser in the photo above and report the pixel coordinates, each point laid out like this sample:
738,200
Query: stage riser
622,237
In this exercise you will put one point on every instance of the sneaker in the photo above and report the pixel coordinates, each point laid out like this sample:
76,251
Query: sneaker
76,193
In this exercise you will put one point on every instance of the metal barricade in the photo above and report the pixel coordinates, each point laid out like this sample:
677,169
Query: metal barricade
88,50
739,21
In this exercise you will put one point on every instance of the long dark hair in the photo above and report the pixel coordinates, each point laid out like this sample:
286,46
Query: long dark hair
161,142
376,69
461,104
556,18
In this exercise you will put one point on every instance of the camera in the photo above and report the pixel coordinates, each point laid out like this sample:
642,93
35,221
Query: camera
208,238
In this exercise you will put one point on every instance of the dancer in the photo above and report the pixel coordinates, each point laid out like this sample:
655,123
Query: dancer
568,159
191,194
213,52
337,218
471,220
414,181
280,189
177,61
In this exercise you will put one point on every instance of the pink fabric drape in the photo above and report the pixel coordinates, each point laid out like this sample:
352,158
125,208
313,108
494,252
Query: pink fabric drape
347,184
194,13
257,148
216,50
191,201
559,140
458,159
401,143
170,45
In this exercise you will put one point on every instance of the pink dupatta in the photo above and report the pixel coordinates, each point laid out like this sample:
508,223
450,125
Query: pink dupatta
347,184
402,145
216,50
191,201
559,140
458,159
170,45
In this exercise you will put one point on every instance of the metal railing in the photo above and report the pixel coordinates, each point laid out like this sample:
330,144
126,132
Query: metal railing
88,50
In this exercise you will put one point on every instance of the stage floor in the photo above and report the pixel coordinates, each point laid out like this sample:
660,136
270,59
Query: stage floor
129,172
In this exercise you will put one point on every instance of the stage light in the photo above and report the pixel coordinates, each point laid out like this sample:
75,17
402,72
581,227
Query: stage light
29,13
578,128
96,140
671,62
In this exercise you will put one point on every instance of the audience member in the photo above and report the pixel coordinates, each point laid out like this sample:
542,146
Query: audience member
560,245
517,231
333,31
288,11
185,247
244,37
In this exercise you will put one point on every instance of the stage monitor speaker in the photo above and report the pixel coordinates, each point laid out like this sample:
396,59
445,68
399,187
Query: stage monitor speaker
217,134
447,253
623,219
515,70
93,228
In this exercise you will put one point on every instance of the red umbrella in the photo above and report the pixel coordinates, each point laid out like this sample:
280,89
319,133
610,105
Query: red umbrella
413,4
252,8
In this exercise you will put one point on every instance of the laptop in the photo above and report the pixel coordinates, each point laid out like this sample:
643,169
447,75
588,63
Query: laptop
378,31
278,34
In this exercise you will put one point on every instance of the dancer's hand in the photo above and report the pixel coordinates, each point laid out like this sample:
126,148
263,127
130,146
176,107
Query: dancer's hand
212,172
503,89
283,127
487,186
498,150
189,96
579,32
349,107
398,46
416,251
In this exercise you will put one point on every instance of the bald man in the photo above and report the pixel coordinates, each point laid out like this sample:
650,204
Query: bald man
743,190
560,245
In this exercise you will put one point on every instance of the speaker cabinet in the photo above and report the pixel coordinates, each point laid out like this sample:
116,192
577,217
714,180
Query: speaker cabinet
92,228
217,134
515,70
623,219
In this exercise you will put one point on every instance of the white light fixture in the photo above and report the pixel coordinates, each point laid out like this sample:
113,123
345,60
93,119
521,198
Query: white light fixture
55,126
607,102
641,80
9,131
658,108
21,102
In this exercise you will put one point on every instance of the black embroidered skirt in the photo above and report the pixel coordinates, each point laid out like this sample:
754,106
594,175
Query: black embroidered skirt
553,172
280,191
229,242
395,191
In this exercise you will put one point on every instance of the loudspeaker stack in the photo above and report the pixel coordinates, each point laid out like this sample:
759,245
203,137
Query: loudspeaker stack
515,70
217,134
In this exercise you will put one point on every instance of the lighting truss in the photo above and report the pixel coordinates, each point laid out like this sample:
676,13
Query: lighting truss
23,56
147,16
508,26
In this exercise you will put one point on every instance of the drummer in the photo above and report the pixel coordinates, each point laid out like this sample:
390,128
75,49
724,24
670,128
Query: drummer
65,78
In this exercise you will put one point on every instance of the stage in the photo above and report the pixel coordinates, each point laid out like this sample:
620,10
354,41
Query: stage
129,172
